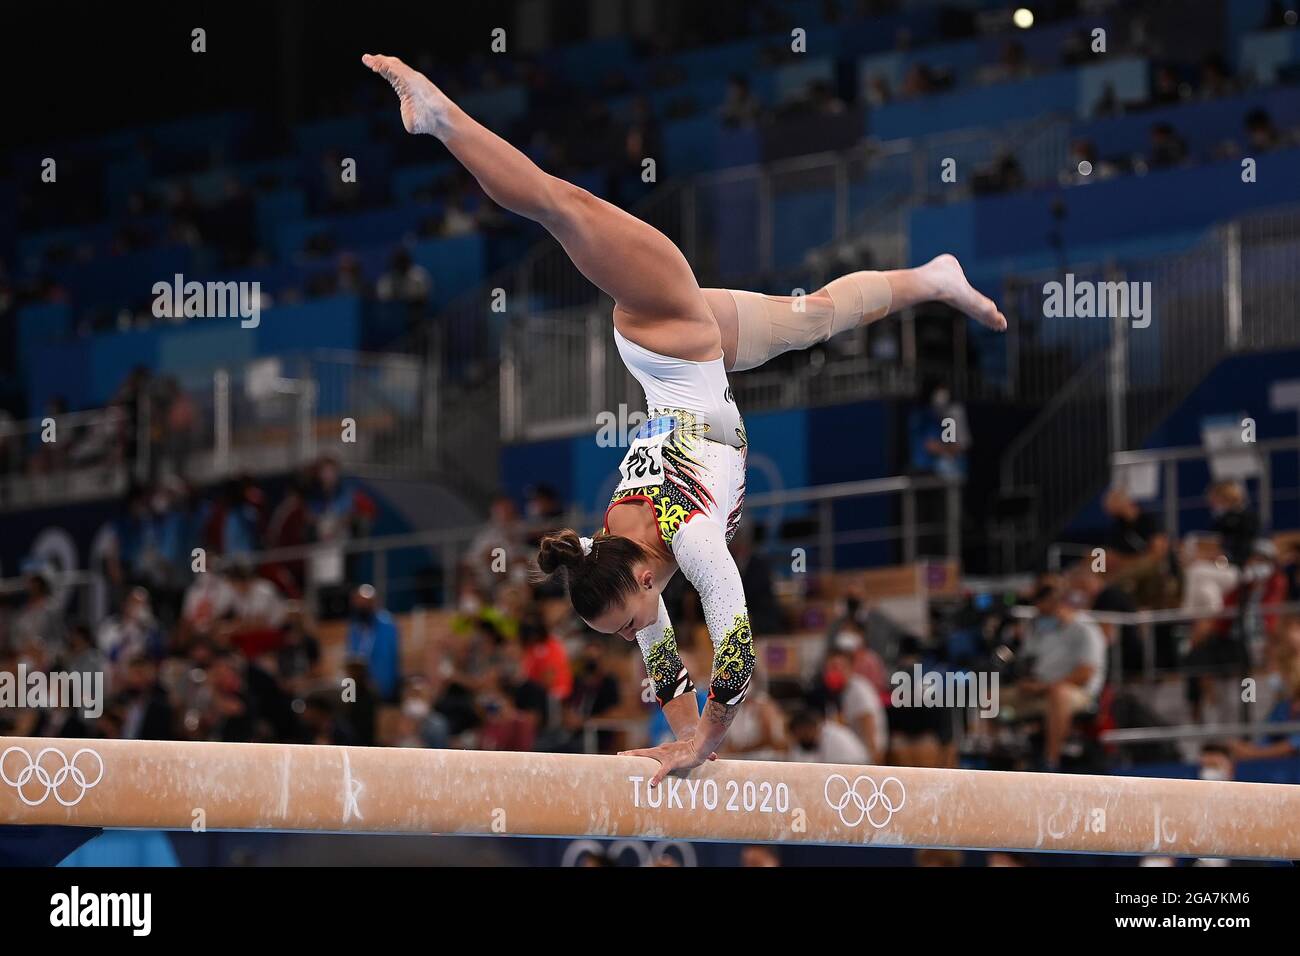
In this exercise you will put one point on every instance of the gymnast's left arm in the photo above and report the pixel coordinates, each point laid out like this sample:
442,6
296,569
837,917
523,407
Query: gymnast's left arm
700,547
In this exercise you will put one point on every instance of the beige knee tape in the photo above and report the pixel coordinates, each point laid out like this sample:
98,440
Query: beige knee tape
769,325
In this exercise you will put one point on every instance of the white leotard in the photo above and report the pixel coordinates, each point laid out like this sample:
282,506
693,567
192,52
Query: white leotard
688,462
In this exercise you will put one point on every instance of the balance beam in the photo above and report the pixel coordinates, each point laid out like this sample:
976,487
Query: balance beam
223,786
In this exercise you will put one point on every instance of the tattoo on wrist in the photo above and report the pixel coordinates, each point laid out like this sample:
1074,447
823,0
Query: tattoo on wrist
716,710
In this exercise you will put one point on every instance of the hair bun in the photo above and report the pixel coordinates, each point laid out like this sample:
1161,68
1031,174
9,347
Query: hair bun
562,549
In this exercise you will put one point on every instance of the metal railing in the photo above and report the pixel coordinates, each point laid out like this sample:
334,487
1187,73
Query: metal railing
1234,292
420,568
377,413
556,370
1172,503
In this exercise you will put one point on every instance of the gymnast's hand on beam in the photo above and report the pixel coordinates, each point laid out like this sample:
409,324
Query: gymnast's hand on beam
676,755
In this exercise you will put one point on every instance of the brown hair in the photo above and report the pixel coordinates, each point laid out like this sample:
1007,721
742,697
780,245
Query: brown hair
596,580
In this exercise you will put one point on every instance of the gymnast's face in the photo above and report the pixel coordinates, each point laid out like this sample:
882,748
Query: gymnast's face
637,610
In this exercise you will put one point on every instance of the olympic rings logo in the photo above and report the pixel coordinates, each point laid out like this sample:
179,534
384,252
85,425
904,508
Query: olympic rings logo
53,783
865,807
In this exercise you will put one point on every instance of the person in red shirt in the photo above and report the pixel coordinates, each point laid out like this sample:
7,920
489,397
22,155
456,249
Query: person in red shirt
545,660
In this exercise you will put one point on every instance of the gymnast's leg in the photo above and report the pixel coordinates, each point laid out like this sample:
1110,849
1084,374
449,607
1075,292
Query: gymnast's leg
632,262
756,328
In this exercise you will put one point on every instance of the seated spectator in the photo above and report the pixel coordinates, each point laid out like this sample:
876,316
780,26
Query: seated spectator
814,739
919,736
404,281
1062,671
1275,746
419,724
1206,583
514,710
758,731
146,711
545,661
133,632
82,656
1224,647
756,575
298,657
595,692
209,601
257,610
1167,147
857,704
1261,135
740,107
37,631
289,527
320,725
1167,89
501,548
373,638
1137,552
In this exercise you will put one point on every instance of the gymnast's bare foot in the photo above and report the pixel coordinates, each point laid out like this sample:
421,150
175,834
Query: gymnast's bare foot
424,106
951,288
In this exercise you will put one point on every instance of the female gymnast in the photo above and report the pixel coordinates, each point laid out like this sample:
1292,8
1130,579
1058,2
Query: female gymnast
682,481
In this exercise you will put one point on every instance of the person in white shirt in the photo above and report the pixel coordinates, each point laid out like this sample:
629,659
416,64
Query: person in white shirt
814,739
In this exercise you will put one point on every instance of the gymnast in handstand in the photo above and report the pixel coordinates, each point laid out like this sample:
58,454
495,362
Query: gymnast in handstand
682,482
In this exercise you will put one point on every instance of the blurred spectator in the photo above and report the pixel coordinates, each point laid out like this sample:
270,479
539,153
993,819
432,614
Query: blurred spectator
37,631
404,281
1167,147
373,637
919,736
132,633
1137,552
1207,580
1167,89
514,709
1216,81
756,575
739,106
1261,135
340,513
1063,670
209,601
320,726
814,739
289,527
545,661
298,657
759,856
758,730
257,610
1222,647
595,692
146,710
938,435
501,547
856,702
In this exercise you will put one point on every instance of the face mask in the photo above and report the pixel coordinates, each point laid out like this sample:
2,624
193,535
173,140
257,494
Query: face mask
1213,773
835,681
469,604
364,615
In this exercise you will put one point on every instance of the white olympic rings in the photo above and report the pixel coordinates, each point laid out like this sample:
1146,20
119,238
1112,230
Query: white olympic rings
865,806
51,783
